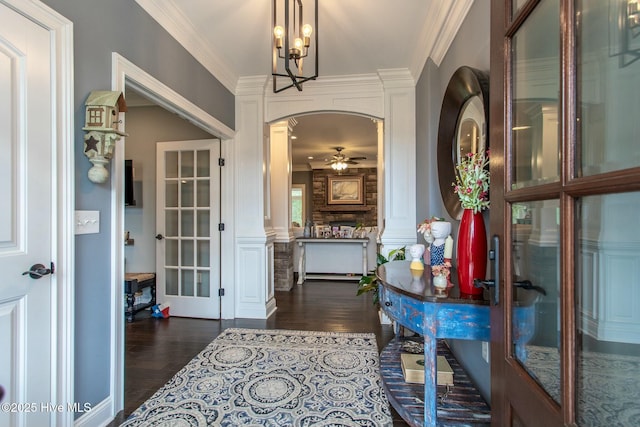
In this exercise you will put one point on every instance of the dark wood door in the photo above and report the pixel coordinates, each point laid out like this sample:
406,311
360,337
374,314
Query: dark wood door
564,187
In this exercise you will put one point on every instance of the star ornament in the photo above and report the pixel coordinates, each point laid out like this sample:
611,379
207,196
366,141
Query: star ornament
91,144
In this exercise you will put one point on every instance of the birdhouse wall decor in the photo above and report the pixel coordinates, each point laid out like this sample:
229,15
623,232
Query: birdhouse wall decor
102,109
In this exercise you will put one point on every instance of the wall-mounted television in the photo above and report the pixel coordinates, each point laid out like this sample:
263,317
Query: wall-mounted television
129,199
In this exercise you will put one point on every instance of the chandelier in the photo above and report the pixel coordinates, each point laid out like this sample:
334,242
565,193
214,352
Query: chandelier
292,43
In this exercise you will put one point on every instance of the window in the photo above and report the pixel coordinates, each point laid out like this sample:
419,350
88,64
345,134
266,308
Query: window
297,205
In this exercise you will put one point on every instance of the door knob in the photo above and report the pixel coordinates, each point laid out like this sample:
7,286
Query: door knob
159,236
37,271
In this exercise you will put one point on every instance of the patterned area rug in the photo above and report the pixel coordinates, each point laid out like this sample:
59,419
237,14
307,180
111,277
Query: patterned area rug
253,377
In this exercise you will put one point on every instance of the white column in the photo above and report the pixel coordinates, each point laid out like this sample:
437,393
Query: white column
281,181
254,296
399,159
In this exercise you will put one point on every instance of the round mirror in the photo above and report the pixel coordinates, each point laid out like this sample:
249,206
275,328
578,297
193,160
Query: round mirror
470,133
462,129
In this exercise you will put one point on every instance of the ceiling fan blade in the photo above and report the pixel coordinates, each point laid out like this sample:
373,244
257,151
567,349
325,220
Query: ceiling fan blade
351,162
358,158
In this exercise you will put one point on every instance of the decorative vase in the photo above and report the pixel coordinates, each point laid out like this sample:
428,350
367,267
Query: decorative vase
440,230
440,281
416,252
307,229
472,251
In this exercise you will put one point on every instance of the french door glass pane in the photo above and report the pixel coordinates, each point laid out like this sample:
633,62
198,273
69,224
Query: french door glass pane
187,255
171,279
186,193
171,164
171,252
171,223
608,72
203,253
186,223
203,286
608,311
536,307
186,281
203,223
535,126
171,194
203,163
186,164
203,193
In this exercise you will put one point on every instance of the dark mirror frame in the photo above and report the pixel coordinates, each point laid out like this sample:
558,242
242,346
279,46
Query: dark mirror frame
465,83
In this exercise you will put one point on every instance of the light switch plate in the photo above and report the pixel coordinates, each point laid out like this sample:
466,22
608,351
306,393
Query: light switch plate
87,222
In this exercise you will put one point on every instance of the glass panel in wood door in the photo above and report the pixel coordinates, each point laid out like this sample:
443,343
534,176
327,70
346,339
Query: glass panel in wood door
535,236
608,71
535,254
530,362
187,210
608,311
607,284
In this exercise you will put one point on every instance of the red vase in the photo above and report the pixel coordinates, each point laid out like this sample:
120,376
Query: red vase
472,251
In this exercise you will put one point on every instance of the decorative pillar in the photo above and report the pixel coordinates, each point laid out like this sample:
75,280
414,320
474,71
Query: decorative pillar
254,293
399,159
281,166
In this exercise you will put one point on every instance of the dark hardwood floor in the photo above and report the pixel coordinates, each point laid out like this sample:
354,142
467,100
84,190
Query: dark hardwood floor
157,348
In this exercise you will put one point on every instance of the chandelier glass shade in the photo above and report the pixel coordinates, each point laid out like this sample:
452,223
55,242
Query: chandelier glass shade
292,43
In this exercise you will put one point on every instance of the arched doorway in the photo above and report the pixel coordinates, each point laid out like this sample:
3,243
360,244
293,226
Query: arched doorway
309,152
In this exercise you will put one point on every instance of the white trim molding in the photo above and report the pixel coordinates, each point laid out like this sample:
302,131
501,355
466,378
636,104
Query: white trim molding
126,74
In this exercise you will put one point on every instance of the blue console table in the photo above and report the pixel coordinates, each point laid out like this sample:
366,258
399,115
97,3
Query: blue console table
410,299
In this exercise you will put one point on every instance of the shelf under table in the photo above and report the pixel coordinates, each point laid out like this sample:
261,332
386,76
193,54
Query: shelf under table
457,405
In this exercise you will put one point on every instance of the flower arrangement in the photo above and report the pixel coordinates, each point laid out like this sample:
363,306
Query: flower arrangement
442,270
472,181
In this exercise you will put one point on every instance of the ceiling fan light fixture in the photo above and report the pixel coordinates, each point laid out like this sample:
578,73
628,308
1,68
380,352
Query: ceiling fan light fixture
339,165
292,43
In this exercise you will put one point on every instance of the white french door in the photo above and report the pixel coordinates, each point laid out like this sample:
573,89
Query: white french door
187,219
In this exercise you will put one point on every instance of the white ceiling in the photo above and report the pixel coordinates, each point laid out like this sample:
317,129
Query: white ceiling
232,39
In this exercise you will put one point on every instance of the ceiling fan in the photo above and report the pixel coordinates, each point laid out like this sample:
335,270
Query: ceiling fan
340,162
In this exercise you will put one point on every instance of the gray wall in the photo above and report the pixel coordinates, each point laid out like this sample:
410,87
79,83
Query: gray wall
471,48
100,28
146,126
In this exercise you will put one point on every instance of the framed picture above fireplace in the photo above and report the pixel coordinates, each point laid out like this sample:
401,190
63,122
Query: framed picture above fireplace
345,190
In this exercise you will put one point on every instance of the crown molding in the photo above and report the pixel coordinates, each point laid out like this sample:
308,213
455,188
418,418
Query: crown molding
451,24
251,85
435,40
181,29
396,77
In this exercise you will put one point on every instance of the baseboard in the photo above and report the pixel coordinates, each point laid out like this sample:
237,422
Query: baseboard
100,415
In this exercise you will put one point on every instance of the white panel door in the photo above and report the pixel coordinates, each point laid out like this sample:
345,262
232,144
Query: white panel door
187,218
26,228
